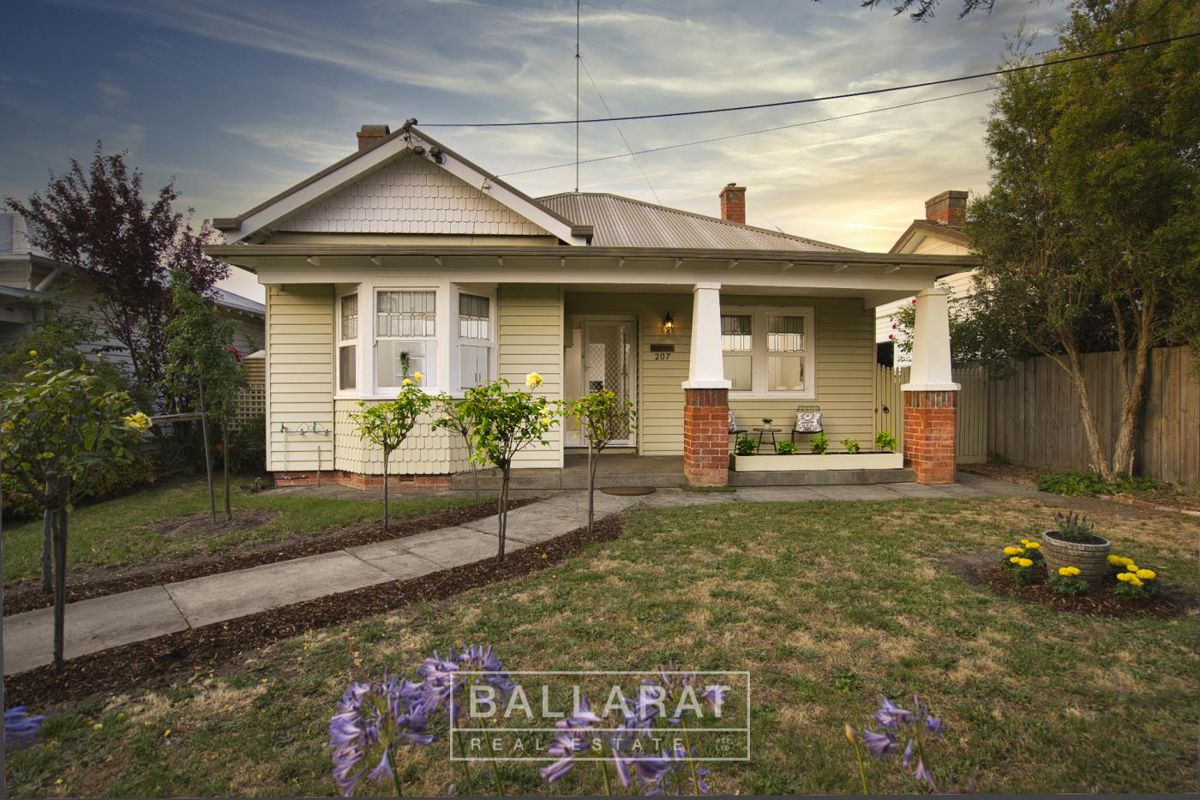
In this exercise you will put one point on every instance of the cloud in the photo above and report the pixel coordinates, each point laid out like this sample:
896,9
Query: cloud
113,97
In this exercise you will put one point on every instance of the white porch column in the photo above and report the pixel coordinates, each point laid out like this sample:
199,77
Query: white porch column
931,345
706,368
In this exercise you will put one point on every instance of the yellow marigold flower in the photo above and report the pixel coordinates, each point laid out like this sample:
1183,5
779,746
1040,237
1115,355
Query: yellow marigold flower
1134,580
1067,572
533,380
1132,568
1147,574
1116,561
418,377
1014,559
1024,562
1126,560
1024,541
1033,545
1013,551
1124,577
406,382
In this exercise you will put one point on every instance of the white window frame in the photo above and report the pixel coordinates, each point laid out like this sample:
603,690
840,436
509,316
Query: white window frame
461,341
339,343
428,385
759,353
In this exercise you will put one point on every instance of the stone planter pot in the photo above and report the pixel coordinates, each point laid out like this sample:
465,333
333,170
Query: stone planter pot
1091,559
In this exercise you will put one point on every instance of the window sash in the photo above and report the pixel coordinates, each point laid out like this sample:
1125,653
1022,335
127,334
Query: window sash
474,317
348,367
766,351
348,324
405,314
390,356
737,333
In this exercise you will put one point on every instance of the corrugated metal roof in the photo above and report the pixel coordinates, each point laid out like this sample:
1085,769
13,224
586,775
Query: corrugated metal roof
625,222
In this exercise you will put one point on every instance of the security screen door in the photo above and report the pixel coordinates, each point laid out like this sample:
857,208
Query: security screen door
609,362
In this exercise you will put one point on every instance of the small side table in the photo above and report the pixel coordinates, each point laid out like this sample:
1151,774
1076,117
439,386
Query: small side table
768,430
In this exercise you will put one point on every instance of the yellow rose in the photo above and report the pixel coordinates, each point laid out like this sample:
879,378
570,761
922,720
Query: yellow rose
138,422
418,377
33,353
1013,551
1033,545
547,421
1025,562
533,380
406,382
1147,574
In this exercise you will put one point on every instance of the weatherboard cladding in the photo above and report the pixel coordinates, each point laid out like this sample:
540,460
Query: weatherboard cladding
410,195
625,222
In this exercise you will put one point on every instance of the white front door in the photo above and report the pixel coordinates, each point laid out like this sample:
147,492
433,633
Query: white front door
607,360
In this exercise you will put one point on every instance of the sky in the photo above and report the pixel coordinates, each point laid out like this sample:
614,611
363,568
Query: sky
237,100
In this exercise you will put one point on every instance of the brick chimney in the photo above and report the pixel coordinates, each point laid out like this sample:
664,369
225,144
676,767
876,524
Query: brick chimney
947,208
371,135
733,203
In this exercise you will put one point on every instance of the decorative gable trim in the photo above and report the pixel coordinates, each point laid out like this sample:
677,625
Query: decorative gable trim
408,139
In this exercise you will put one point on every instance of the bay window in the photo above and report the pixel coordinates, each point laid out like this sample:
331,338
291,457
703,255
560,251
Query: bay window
405,337
347,342
768,351
475,340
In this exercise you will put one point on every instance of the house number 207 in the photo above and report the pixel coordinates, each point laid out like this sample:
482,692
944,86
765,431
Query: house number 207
662,356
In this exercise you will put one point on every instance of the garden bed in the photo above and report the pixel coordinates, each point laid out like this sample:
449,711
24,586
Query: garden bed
179,655
27,595
773,462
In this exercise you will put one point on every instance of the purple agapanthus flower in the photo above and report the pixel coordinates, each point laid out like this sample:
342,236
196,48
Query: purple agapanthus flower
573,734
21,727
371,724
669,774
443,684
904,730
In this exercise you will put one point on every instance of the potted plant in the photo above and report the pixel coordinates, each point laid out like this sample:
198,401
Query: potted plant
1073,543
767,421
852,446
786,448
885,442
820,443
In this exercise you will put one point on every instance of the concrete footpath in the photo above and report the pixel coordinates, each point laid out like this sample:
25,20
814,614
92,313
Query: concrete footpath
106,622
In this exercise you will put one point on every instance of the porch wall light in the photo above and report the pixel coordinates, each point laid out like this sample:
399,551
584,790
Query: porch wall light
668,324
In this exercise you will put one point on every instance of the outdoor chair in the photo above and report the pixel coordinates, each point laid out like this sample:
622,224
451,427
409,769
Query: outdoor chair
734,430
808,420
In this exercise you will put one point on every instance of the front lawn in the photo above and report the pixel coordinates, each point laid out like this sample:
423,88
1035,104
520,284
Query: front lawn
829,605
126,531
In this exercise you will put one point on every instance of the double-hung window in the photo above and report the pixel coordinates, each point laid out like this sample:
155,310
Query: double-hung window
475,340
348,342
405,336
768,351
737,350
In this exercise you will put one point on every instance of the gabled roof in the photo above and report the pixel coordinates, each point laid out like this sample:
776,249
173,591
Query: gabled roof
949,233
624,222
407,140
235,302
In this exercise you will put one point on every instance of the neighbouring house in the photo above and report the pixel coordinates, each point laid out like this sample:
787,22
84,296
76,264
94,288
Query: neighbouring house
940,232
406,256
33,286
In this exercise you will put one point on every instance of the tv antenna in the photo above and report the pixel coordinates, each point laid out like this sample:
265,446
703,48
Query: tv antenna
577,3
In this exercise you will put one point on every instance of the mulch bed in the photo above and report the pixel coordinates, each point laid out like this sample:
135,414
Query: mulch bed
28,595
1099,601
176,656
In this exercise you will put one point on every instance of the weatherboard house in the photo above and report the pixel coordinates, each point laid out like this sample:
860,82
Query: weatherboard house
406,257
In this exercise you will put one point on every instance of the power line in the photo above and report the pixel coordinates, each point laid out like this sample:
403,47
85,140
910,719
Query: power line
842,96
742,134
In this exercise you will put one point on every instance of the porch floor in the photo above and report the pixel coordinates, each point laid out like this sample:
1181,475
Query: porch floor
627,469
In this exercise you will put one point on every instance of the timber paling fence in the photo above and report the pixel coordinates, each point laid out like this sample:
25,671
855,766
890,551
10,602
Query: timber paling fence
1035,418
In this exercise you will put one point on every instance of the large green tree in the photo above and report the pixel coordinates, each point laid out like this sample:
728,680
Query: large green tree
1088,232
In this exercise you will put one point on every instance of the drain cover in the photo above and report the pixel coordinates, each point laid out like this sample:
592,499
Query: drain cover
629,491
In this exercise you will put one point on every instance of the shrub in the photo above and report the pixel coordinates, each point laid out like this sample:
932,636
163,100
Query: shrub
851,445
1090,484
1066,581
885,442
820,443
141,470
745,446
786,448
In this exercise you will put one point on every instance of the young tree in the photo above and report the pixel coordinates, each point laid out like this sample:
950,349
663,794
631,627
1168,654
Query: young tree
388,424
503,423
96,220
1087,234
61,427
200,354
602,417
454,418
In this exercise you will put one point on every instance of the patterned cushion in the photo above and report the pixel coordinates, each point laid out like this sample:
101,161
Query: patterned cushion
808,422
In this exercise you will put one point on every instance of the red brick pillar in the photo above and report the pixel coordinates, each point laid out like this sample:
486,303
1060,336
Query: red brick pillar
930,430
706,436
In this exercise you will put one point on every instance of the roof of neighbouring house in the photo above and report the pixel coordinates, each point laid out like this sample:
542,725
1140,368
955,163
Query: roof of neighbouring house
950,233
624,222
235,302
